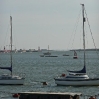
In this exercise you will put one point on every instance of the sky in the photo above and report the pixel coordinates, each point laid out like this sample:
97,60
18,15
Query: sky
57,23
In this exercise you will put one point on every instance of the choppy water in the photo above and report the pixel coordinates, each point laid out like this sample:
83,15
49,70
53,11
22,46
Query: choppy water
38,69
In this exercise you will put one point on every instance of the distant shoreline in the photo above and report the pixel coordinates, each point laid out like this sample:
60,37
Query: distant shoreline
7,51
85,49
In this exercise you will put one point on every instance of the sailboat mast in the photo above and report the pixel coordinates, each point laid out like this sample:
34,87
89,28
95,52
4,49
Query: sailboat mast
83,33
11,41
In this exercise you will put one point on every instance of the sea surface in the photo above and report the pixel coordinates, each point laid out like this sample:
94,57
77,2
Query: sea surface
44,69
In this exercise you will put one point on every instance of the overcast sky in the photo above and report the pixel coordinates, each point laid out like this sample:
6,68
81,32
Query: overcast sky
48,22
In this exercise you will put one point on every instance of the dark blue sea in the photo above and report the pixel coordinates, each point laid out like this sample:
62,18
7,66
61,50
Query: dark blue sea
44,69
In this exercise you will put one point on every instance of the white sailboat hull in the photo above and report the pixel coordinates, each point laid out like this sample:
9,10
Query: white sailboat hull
87,82
12,82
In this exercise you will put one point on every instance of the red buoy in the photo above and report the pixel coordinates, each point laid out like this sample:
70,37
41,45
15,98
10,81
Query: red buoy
15,95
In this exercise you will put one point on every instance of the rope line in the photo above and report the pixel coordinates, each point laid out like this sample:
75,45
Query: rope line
75,29
91,33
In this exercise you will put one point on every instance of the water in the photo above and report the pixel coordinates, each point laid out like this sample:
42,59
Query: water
39,69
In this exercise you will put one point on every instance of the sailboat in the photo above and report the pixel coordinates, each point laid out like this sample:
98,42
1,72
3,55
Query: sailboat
78,78
75,55
10,79
47,53
65,54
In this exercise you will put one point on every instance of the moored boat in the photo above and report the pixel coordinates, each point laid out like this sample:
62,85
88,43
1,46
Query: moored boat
10,79
78,78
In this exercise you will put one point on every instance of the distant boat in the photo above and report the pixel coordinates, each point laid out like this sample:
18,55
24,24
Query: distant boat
41,55
35,51
75,55
48,56
47,53
65,55
11,79
51,56
78,78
